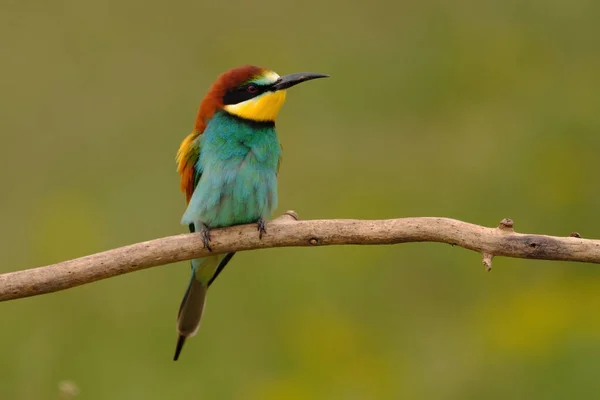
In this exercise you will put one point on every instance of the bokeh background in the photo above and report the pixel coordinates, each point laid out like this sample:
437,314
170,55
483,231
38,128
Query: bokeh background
476,110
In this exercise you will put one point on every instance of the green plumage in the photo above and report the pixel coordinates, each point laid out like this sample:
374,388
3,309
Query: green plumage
236,183
237,173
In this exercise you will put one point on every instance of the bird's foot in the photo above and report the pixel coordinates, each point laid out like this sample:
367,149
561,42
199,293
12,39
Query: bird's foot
205,232
262,227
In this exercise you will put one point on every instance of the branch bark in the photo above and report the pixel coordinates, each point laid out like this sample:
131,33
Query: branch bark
287,231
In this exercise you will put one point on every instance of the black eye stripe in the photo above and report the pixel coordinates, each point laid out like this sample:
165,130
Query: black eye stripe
241,93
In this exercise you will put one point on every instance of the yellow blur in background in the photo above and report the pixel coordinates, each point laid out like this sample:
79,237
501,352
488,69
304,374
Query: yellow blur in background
476,110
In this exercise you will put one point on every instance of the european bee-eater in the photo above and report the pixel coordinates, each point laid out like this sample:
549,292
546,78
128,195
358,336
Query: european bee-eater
228,167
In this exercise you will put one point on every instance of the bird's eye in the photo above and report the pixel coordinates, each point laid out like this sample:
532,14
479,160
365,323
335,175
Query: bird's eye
252,89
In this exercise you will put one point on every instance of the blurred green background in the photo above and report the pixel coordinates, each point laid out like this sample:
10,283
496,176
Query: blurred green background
476,110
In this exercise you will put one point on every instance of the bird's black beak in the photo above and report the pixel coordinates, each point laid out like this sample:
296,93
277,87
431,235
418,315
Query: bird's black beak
287,81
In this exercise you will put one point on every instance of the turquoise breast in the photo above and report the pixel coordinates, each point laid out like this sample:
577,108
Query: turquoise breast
238,164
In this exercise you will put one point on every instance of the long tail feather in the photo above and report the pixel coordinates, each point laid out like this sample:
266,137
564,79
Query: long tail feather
192,305
190,312
180,342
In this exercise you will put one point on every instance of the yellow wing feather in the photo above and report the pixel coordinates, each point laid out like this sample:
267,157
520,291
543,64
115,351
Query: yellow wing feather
187,156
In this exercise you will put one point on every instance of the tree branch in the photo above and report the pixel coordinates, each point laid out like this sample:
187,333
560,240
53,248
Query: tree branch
287,231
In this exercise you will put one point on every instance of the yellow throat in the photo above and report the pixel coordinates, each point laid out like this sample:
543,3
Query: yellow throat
262,108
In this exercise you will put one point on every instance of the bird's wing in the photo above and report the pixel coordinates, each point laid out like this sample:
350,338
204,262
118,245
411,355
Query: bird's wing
280,159
187,157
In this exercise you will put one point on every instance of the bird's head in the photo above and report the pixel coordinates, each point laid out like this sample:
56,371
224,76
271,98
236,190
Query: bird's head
249,92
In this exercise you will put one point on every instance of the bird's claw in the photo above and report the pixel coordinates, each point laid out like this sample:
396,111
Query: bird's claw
205,232
262,227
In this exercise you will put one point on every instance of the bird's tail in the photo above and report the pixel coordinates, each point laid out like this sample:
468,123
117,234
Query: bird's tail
204,271
190,312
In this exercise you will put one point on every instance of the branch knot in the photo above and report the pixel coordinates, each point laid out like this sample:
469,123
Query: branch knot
506,225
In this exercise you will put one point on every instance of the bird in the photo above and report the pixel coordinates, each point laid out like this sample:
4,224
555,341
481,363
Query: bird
228,168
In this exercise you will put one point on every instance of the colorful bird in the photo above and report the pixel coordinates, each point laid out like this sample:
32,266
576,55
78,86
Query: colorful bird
228,167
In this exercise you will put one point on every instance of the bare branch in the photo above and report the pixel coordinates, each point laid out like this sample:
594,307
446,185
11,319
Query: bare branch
287,231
